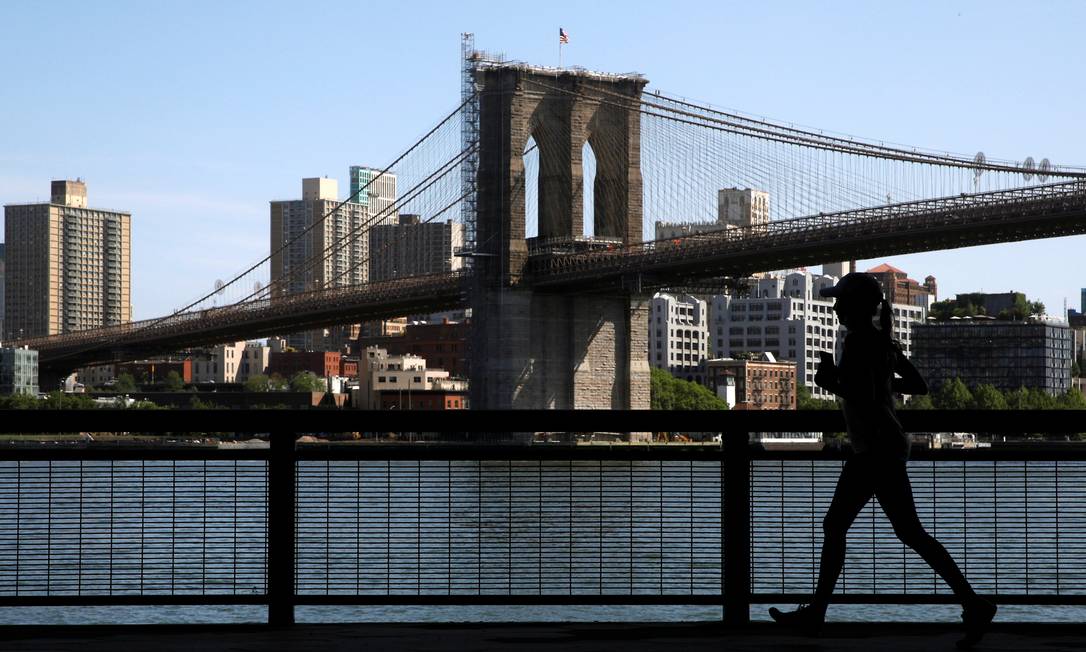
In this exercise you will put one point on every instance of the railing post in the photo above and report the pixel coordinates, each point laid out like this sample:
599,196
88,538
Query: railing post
281,510
735,528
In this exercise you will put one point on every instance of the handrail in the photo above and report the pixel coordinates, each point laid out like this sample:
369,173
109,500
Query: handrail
283,481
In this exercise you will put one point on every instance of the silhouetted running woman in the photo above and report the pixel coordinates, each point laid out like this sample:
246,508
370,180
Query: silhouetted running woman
866,382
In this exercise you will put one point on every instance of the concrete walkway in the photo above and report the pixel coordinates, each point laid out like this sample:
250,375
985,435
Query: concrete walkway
573,637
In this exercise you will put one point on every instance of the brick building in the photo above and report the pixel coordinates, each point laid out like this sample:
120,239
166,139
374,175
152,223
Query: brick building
897,287
763,384
442,345
321,363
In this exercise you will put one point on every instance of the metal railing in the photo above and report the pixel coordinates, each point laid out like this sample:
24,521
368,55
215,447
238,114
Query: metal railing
286,523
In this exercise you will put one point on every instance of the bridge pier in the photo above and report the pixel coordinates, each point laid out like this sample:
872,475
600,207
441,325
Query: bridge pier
534,350
537,349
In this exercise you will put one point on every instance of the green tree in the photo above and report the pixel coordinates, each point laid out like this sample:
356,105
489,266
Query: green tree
670,393
258,383
60,401
19,402
987,397
1018,399
125,384
804,400
953,395
173,382
1076,369
1072,399
919,402
307,381
1040,399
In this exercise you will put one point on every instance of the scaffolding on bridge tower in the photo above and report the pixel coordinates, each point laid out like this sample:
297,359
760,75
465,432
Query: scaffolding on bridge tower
469,135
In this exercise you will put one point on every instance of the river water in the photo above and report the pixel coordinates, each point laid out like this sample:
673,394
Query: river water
552,527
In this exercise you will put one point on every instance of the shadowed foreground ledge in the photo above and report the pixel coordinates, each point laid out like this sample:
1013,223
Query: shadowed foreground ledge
567,637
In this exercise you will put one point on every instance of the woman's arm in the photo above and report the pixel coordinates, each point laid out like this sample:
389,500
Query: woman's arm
911,382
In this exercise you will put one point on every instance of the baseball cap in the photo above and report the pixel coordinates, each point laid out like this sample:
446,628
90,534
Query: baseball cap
855,285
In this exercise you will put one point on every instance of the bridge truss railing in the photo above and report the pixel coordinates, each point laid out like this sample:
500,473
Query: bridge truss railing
823,228
262,317
453,513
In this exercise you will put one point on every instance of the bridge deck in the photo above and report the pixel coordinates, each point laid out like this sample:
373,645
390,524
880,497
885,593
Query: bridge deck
567,637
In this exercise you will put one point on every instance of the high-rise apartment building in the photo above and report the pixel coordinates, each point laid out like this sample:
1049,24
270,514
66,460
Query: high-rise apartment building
375,191
316,244
412,248
784,315
67,266
678,335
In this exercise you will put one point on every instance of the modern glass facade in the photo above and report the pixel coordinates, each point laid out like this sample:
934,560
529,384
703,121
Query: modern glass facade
18,371
1004,354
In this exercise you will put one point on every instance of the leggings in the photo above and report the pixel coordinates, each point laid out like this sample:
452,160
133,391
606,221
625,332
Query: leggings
887,479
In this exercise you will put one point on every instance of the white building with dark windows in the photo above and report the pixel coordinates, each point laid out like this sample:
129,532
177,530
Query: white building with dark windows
678,335
784,315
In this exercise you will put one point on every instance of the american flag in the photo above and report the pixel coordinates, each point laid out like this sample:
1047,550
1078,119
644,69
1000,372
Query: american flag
562,36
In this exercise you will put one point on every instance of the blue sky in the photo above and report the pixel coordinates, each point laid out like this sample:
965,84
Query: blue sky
193,115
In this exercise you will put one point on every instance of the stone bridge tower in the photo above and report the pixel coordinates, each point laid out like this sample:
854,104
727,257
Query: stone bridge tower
536,349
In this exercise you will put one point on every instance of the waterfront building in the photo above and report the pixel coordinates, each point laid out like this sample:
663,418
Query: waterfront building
785,315
391,382
1004,354
96,376
443,345
412,248
315,227
754,384
67,266
678,335
18,371
320,363
897,287
235,362
374,191
153,371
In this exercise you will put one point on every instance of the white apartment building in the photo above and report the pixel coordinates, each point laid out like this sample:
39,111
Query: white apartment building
380,372
230,363
784,315
678,335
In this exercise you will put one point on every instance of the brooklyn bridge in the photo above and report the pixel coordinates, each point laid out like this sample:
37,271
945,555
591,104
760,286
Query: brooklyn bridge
557,175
